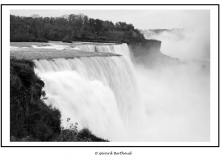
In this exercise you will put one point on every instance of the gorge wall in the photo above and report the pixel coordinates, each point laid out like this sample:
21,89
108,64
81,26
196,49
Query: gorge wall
148,53
147,47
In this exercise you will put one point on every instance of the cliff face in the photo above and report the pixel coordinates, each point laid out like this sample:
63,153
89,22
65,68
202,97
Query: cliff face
147,47
148,53
29,115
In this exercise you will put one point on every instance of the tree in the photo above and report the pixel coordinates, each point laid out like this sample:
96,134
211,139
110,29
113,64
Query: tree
74,27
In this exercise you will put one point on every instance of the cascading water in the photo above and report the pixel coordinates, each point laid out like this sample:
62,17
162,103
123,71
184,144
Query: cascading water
118,49
97,92
101,93
105,48
87,48
121,49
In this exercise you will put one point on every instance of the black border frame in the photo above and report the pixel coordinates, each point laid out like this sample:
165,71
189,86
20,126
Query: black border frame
110,5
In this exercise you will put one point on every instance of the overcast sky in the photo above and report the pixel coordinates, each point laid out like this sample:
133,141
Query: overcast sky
141,19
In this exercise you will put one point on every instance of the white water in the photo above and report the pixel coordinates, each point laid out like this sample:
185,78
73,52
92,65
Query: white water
87,47
52,46
14,48
56,46
121,49
97,92
122,103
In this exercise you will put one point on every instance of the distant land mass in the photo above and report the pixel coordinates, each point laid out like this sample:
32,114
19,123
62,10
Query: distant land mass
68,28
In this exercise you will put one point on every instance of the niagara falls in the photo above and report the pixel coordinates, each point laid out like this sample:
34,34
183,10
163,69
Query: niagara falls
90,77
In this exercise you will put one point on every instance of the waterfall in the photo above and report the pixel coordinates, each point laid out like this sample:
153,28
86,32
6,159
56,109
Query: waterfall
87,47
96,92
101,93
121,49
105,48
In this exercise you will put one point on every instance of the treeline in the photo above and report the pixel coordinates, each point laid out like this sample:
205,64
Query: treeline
70,28
30,118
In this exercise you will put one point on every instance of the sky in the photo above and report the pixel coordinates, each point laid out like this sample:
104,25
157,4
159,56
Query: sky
141,19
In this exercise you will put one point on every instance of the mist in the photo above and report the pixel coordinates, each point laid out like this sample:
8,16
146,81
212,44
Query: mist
191,40
176,98
176,103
